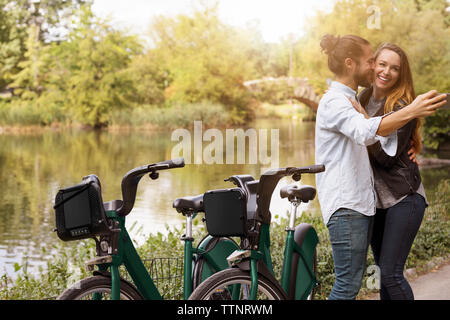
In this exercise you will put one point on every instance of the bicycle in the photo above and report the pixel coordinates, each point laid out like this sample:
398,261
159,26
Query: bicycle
81,214
251,275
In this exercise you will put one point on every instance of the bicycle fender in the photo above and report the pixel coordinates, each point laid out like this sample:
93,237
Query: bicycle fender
264,271
302,278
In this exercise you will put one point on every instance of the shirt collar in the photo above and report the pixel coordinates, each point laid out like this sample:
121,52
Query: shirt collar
343,88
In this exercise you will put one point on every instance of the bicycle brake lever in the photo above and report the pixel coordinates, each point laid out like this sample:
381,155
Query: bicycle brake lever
154,175
232,180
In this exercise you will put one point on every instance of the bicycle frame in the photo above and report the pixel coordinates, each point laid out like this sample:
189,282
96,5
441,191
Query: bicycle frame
128,256
305,252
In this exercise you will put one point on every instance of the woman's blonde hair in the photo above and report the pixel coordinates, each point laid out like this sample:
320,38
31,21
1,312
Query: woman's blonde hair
402,93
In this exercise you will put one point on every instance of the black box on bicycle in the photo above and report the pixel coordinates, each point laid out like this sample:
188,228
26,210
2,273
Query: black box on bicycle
79,211
226,212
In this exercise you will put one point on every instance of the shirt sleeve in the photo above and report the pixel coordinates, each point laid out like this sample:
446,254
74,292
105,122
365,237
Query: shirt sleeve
388,144
387,159
339,115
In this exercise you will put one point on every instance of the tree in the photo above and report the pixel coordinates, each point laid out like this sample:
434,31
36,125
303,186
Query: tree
99,80
205,60
48,20
86,76
12,38
150,78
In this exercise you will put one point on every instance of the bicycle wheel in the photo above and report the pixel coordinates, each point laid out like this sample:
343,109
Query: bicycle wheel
99,288
223,285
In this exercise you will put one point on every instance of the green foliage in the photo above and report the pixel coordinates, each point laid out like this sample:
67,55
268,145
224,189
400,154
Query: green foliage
62,271
206,60
99,80
434,234
436,129
149,79
20,17
12,36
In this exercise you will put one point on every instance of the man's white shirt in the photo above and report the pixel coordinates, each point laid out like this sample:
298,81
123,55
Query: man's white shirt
341,137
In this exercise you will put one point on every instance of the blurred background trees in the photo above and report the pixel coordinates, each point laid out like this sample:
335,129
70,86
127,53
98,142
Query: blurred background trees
65,64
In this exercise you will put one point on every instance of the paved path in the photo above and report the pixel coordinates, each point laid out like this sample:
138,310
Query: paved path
434,285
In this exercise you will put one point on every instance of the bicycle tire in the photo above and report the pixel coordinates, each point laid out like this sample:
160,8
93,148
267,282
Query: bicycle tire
85,288
216,286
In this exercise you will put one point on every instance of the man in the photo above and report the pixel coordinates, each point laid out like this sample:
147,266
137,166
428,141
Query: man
345,190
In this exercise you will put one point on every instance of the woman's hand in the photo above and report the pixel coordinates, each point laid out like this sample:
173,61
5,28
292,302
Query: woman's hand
359,108
426,104
412,153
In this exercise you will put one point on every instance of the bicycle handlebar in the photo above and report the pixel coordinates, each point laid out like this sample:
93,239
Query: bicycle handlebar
131,180
311,169
270,179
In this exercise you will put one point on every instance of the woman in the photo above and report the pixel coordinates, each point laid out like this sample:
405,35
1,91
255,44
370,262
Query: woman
401,199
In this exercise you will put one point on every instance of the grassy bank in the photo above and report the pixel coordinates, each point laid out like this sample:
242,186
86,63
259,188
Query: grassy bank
23,116
26,116
67,264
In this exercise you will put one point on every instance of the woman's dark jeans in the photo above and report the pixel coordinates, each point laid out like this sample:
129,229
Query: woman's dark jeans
394,231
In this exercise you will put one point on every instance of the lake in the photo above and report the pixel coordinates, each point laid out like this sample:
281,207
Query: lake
33,167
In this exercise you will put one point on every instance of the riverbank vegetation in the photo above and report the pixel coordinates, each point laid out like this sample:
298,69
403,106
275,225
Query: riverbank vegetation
67,262
60,65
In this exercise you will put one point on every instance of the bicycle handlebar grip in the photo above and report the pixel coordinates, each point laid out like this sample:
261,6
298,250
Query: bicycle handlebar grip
168,164
310,169
316,168
177,163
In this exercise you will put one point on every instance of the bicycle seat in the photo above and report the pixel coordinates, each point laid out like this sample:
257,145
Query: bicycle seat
302,193
186,204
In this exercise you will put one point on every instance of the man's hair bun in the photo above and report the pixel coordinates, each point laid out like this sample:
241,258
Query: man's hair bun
339,48
329,43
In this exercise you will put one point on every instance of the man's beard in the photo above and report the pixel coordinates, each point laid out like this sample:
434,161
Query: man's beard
363,80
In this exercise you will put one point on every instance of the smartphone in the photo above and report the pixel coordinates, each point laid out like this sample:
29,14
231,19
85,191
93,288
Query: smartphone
447,105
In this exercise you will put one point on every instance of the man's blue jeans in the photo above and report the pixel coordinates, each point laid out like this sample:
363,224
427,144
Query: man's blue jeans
350,233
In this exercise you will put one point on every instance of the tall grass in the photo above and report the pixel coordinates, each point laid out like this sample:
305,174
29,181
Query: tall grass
28,113
170,117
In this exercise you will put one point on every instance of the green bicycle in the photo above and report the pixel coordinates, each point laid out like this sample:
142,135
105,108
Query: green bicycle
251,275
81,214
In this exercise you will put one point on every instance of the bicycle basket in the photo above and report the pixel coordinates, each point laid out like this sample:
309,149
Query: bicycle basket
226,212
79,211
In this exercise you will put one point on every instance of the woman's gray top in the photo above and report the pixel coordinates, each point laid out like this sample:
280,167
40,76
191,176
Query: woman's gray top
385,199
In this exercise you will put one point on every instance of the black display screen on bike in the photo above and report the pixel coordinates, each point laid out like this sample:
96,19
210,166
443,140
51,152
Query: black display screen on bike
77,211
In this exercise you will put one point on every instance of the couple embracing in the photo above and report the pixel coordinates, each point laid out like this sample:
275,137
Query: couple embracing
371,191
